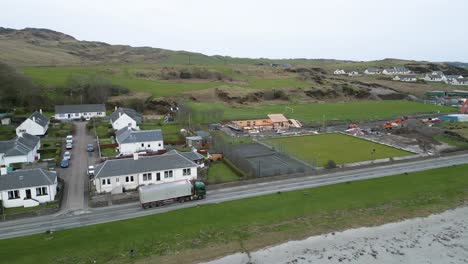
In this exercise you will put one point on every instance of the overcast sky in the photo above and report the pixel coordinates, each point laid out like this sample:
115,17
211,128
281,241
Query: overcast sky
434,30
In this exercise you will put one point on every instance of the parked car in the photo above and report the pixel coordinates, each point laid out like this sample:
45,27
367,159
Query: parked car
90,148
69,139
69,146
67,155
64,163
91,170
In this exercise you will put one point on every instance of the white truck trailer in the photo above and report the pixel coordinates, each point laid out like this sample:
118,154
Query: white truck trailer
154,195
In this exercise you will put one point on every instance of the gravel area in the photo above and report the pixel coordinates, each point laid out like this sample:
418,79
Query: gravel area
441,238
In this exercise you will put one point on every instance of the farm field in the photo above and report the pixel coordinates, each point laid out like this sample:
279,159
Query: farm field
318,149
317,113
212,230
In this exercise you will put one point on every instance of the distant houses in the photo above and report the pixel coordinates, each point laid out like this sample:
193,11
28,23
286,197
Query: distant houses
372,71
346,72
87,111
124,117
435,76
37,125
396,70
406,78
339,72
459,81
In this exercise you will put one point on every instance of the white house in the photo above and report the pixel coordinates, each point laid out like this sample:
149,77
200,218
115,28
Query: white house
70,112
405,78
19,150
124,117
131,140
434,77
27,187
452,79
459,81
372,71
116,176
352,73
396,70
339,72
36,125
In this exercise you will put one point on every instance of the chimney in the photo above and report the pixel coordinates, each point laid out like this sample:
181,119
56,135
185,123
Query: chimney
34,118
115,108
40,111
135,156
129,126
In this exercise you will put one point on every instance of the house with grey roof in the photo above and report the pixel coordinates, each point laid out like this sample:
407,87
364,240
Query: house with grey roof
27,188
405,77
71,112
125,117
22,149
194,156
396,70
434,77
37,125
131,140
118,175
372,71
449,79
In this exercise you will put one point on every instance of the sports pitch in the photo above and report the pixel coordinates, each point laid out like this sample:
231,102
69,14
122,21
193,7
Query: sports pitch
318,149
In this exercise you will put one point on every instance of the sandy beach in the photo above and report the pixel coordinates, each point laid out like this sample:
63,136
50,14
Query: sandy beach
439,238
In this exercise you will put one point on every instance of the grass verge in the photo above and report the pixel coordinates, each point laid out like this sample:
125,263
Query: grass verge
193,234
219,172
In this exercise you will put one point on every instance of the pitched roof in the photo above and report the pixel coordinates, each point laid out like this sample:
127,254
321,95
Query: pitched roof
373,70
119,167
191,155
131,135
39,119
400,69
27,178
132,113
21,145
276,118
79,108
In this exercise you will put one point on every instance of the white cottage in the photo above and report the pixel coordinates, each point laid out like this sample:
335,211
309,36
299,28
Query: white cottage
116,176
36,125
372,71
27,188
19,150
406,78
70,112
125,117
131,140
339,72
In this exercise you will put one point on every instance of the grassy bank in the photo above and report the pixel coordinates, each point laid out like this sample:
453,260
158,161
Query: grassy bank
317,113
213,230
318,149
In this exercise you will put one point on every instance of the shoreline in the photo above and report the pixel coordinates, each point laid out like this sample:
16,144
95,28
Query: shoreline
437,238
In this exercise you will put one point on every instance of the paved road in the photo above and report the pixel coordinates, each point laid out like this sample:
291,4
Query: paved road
61,221
76,182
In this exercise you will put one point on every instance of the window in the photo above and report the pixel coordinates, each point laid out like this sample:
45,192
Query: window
167,174
103,181
117,179
99,113
22,130
127,179
186,172
149,145
41,191
131,178
147,177
159,144
13,195
108,181
158,176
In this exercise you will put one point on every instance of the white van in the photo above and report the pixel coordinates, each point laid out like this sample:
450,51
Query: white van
70,139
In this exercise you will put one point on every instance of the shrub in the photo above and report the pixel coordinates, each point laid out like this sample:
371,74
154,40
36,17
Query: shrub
330,164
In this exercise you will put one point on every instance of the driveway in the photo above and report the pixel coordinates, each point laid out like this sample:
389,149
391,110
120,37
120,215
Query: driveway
76,178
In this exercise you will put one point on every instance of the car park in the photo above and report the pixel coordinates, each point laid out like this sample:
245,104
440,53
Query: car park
64,163
90,148
67,155
69,146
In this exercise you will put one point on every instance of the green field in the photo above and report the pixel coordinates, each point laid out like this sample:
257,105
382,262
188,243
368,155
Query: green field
216,229
317,113
219,172
318,149
171,132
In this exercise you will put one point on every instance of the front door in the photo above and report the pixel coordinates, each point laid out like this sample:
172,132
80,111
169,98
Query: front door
28,193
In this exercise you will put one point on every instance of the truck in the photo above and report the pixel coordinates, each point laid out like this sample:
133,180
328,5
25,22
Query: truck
155,195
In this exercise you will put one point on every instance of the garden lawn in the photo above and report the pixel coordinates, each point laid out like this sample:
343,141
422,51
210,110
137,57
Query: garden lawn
219,172
315,113
171,132
216,229
318,149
